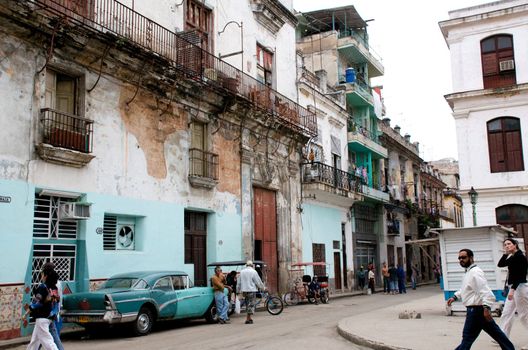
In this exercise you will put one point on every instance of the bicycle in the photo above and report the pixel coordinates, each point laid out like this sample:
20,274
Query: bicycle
273,304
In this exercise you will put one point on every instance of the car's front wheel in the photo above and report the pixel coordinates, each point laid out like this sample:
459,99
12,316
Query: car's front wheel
144,322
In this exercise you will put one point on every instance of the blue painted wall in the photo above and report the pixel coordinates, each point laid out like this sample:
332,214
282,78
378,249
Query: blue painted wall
320,225
16,227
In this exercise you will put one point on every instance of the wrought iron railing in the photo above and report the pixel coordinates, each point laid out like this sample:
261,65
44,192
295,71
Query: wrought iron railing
322,173
203,164
61,129
197,64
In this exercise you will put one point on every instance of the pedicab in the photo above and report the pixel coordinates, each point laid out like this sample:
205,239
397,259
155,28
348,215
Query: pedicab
272,303
300,290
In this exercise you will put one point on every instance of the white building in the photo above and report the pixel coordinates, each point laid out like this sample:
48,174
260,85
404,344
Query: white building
488,45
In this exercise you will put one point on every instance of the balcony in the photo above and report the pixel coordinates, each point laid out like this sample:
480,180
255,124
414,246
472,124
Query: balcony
191,61
331,185
358,93
356,48
203,168
363,140
374,194
66,139
393,227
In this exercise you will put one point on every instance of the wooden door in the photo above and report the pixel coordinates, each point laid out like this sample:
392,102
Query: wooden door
319,255
337,270
195,245
265,228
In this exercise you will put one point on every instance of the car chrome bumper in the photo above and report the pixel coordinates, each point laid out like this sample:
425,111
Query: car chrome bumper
109,317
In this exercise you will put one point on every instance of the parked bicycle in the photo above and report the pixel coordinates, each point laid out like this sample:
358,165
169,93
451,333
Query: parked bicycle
300,287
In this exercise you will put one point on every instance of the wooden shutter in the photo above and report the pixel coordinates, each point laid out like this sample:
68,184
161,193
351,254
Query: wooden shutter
514,154
490,64
496,151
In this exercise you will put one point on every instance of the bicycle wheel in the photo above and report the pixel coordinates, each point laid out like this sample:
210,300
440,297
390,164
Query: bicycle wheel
291,298
274,305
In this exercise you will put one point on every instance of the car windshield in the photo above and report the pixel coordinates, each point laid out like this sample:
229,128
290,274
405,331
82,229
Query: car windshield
130,283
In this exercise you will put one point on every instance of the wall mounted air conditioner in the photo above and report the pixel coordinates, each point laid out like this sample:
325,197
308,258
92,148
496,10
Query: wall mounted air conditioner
506,65
74,211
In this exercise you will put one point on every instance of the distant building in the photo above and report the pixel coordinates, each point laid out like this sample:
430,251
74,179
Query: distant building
488,45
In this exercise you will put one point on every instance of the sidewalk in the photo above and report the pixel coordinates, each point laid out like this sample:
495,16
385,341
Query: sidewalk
382,329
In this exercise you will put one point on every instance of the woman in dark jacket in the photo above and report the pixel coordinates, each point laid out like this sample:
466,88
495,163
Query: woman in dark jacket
517,299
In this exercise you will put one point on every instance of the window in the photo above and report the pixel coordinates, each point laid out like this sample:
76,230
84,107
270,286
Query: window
516,217
200,19
119,233
62,118
498,64
164,284
505,145
178,282
264,65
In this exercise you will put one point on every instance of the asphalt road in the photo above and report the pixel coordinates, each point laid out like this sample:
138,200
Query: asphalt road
298,327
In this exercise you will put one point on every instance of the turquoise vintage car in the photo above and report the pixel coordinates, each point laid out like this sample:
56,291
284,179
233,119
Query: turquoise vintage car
140,299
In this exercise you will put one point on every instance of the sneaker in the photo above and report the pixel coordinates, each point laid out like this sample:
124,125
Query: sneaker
249,322
221,321
226,321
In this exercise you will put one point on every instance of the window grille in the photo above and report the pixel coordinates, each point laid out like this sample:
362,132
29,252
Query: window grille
46,222
62,255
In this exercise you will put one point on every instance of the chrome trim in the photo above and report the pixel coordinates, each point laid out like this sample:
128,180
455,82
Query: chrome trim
164,305
130,300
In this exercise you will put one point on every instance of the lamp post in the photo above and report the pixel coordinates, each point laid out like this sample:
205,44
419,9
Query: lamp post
473,195
241,52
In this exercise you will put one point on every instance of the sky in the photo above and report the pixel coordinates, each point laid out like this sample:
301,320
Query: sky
406,35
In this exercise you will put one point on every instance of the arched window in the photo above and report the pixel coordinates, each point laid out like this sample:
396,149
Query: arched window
516,217
498,64
505,145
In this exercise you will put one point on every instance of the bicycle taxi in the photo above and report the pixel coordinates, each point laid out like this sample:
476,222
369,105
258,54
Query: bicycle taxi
272,303
300,283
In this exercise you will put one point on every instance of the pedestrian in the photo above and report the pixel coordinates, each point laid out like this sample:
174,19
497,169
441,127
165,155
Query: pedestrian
218,282
400,272
437,273
314,288
54,287
385,275
478,298
231,281
249,283
371,277
517,298
40,311
414,276
393,279
361,277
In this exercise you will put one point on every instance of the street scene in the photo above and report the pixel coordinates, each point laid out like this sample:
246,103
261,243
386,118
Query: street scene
268,173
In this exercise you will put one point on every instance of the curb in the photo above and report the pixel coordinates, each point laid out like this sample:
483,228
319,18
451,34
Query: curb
356,339
11,343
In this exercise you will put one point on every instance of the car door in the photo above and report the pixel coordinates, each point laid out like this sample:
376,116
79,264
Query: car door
163,293
192,301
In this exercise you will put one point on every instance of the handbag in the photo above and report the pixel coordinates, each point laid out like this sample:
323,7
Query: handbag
237,305
506,288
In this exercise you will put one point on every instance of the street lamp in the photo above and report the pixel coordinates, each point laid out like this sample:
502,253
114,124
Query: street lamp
473,195
241,52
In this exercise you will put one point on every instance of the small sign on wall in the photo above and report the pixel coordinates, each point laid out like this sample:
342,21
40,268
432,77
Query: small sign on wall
5,199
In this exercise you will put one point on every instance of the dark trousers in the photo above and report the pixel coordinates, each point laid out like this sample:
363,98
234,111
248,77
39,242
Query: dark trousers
475,323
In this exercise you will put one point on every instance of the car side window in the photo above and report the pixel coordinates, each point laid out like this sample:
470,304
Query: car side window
164,284
178,282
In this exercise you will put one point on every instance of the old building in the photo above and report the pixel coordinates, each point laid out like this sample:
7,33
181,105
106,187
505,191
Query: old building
451,213
488,49
335,41
128,144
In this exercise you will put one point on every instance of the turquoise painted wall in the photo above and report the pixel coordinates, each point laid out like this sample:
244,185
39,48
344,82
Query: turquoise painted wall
320,225
16,227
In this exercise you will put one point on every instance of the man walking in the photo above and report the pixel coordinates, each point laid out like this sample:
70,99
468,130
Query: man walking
478,298
222,304
249,283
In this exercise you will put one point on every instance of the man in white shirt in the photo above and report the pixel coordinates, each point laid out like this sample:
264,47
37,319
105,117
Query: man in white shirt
478,298
249,283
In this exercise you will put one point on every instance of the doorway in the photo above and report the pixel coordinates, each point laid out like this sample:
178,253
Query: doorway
195,245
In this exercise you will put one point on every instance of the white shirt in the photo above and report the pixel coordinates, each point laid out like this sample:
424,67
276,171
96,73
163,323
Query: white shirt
475,289
249,281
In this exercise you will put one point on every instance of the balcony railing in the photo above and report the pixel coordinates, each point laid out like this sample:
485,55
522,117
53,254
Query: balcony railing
322,173
361,39
355,128
203,164
189,59
67,131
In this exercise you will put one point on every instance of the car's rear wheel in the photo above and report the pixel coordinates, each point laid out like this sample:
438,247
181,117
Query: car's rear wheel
210,314
144,322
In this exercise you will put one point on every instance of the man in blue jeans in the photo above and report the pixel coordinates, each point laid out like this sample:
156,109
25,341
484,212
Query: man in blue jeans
478,298
218,282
